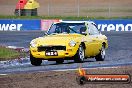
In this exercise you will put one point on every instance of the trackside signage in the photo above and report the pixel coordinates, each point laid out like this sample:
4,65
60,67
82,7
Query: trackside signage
103,25
45,24
19,25
114,25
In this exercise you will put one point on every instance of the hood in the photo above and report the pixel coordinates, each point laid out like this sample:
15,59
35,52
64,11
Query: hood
58,39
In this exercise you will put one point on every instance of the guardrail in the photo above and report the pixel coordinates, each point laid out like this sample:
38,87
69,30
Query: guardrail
35,24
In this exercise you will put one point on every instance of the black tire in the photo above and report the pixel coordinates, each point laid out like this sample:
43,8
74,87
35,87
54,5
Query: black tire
101,55
19,12
34,61
59,61
16,12
80,55
34,12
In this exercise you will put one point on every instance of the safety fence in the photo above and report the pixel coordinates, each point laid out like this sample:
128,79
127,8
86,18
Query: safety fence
86,8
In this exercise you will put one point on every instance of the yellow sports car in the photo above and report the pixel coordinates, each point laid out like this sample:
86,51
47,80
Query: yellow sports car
69,40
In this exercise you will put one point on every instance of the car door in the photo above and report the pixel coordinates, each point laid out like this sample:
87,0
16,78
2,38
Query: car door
89,44
94,36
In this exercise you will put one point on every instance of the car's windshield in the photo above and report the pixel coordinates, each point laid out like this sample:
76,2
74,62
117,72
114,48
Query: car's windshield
67,28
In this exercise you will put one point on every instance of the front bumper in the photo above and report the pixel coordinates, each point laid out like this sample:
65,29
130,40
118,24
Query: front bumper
70,52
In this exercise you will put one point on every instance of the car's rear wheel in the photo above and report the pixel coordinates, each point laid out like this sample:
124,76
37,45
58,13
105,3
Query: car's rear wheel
59,61
101,55
80,55
35,61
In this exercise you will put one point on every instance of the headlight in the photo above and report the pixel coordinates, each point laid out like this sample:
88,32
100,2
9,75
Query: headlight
72,43
33,43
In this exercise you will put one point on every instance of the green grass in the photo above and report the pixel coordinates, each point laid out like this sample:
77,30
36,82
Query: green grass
61,17
8,54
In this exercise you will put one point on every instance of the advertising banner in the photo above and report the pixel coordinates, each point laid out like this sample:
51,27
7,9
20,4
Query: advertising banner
45,24
114,25
19,25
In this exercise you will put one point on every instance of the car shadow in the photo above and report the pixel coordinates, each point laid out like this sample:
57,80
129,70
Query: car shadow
67,62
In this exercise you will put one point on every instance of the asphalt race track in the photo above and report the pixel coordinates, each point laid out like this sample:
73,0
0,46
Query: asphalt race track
118,53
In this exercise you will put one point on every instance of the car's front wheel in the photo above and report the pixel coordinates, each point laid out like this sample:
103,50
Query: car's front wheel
35,61
101,55
80,55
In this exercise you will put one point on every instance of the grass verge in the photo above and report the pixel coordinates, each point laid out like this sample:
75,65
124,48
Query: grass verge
62,17
9,54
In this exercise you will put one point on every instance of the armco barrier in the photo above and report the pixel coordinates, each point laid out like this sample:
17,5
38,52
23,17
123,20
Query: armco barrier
103,25
19,25
114,25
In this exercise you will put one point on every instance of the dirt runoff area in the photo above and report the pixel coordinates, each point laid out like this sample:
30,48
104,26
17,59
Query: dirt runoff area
61,79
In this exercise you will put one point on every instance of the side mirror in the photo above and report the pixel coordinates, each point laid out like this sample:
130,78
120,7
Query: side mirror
99,31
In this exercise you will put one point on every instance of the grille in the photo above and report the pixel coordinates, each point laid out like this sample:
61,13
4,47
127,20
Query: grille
49,48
